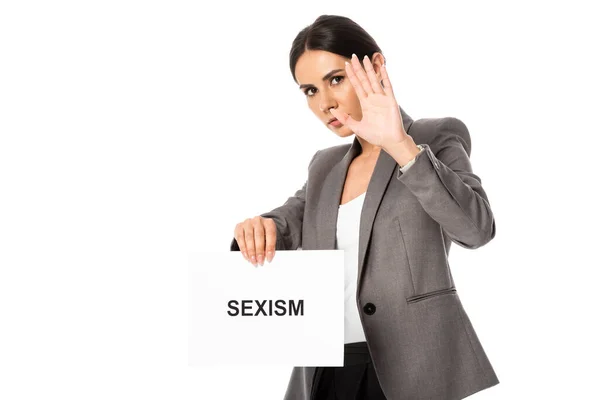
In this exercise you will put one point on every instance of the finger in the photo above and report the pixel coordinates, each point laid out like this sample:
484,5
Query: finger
345,119
361,74
360,92
387,85
249,236
241,241
271,238
375,85
259,241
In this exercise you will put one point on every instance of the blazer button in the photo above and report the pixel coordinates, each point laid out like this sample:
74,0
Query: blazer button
369,308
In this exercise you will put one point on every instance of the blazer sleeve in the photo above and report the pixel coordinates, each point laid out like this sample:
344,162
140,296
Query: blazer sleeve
443,181
288,220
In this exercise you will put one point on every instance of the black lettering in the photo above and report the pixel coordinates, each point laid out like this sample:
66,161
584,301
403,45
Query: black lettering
299,308
261,307
246,305
245,308
280,304
232,304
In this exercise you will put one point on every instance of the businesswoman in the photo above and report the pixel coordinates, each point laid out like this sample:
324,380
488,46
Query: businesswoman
394,200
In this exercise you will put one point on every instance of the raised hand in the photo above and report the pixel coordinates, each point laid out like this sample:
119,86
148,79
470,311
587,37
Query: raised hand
381,123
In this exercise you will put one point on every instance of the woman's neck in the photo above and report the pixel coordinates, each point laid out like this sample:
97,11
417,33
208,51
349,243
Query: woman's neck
368,150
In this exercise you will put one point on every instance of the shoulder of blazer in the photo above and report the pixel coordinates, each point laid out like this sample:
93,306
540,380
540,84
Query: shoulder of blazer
326,158
439,133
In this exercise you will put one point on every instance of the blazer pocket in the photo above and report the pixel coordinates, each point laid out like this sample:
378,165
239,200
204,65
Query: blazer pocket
396,222
428,295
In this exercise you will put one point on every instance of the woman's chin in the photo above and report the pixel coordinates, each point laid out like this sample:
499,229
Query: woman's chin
341,131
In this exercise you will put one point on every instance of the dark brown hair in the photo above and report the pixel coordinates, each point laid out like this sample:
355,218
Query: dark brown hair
335,34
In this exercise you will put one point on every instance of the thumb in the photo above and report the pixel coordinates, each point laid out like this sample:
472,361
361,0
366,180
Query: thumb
345,119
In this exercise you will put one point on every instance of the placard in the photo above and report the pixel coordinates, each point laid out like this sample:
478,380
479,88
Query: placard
287,312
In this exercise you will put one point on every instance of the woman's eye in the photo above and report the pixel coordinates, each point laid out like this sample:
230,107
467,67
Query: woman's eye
308,92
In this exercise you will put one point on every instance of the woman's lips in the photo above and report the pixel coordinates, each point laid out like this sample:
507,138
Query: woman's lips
335,123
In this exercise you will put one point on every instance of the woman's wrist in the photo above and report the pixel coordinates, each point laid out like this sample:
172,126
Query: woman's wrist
411,162
404,152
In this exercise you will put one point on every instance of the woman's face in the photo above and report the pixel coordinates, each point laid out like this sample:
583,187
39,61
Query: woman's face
323,80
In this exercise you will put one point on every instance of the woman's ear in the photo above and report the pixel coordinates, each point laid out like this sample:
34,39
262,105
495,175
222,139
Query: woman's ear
377,60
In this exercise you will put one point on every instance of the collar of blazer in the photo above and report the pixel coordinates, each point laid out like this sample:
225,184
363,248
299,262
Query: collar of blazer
333,186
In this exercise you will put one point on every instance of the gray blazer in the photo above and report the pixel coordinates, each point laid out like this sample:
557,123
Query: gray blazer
421,341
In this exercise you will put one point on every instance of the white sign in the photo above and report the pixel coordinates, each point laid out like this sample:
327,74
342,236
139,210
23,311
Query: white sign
287,312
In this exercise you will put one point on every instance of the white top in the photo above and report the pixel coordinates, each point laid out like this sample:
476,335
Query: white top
348,226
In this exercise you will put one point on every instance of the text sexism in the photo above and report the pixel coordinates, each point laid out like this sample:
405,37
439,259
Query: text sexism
258,307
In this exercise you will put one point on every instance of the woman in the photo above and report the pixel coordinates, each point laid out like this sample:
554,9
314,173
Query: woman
394,200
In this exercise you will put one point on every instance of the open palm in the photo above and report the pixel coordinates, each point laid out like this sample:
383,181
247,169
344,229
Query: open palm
381,123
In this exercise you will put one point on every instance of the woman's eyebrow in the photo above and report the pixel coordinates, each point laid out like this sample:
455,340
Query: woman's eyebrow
327,76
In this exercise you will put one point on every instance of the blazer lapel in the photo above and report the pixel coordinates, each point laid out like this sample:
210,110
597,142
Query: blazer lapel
332,194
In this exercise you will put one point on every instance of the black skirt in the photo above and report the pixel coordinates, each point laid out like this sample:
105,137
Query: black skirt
356,380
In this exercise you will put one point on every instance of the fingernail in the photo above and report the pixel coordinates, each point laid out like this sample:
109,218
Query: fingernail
253,260
245,255
354,55
269,256
261,260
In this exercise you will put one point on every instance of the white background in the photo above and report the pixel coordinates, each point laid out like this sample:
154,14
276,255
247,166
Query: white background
135,133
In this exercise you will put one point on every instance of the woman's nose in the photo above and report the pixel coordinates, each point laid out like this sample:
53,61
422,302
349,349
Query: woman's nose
326,104
327,100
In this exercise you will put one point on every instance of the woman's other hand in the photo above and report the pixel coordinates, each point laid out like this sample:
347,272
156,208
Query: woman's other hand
381,123
256,238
